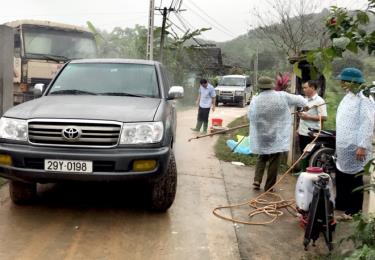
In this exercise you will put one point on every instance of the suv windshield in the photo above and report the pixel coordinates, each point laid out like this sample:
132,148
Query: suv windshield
58,44
111,79
232,82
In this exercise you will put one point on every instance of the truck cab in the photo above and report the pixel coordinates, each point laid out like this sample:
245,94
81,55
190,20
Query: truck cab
41,48
234,89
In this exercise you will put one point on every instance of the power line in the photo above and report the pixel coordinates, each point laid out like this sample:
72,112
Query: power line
183,21
213,19
184,25
209,20
179,6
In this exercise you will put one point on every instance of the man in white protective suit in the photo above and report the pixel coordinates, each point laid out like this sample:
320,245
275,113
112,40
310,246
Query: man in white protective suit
270,128
354,135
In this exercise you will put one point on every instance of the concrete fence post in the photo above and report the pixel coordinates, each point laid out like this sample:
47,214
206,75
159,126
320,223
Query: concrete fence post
371,202
292,150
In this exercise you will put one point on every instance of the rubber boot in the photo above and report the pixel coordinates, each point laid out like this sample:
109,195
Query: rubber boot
198,126
205,126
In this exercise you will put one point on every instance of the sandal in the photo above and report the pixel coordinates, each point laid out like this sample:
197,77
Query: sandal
256,185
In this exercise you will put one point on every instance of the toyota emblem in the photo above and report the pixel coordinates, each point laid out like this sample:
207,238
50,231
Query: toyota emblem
71,133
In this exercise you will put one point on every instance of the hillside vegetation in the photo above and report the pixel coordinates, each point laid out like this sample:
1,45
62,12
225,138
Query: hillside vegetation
242,50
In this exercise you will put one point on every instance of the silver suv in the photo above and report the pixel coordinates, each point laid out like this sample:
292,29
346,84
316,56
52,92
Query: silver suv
234,89
98,120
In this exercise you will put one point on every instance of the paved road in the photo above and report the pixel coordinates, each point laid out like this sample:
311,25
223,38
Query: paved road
109,222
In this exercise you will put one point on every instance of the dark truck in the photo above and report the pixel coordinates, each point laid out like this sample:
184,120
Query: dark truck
98,120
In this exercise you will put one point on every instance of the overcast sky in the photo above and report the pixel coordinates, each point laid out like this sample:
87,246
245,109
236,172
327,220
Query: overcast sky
228,19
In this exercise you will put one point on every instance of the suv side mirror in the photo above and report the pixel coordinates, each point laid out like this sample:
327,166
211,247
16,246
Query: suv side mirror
39,86
38,90
176,92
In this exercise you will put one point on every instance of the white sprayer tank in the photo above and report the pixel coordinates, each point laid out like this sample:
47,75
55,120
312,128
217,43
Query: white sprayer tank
305,187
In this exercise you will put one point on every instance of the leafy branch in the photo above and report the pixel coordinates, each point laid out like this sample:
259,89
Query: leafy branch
346,33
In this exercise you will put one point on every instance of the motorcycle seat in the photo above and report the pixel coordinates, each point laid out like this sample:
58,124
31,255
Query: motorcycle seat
323,133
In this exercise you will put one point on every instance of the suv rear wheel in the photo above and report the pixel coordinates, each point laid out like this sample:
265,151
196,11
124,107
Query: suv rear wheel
163,190
21,192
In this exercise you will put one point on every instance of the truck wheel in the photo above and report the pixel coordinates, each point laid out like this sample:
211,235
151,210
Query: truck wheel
216,103
251,96
21,192
243,102
163,190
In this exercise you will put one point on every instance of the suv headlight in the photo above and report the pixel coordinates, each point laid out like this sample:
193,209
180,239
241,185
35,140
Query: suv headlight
238,93
217,92
13,129
142,133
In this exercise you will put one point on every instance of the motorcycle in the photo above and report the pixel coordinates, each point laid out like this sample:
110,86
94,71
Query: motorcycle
322,152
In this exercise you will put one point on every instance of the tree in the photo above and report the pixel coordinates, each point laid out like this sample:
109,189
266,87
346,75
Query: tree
295,26
236,71
349,61
346,31
267,60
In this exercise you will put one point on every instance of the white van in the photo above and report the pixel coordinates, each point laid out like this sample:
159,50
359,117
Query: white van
234,89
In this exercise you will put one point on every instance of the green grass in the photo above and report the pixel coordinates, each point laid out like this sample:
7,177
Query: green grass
224,153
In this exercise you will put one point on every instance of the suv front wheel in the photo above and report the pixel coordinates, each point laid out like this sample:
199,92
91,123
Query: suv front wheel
163,190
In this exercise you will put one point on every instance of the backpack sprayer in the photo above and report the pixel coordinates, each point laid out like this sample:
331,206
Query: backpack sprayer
315,203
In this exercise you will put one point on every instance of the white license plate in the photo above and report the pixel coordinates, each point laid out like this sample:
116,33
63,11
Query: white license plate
68,166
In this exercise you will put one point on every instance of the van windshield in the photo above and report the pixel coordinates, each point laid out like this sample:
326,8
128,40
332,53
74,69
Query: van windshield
232,82
56,44
109,79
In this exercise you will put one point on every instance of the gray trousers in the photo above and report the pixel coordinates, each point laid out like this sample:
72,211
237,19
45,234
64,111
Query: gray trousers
272,171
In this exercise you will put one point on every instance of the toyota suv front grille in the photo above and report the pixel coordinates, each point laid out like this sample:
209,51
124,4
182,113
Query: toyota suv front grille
74,133
226,93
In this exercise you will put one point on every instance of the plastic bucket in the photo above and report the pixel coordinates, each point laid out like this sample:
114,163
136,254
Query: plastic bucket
217,121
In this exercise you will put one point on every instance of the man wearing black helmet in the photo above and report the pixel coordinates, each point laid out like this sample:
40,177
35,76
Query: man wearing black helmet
354,134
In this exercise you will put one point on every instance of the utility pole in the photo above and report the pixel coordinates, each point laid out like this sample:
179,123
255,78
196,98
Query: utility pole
165,12
256,68
150,32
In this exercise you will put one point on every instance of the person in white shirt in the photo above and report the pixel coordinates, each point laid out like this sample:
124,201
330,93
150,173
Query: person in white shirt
354,135
311,118
205,100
